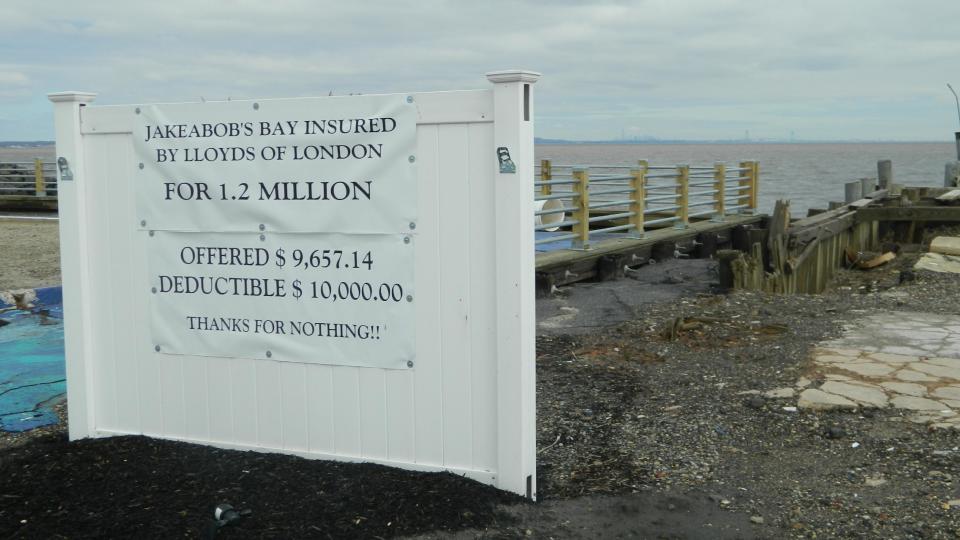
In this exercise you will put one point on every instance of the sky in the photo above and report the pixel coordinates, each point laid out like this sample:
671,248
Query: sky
669,69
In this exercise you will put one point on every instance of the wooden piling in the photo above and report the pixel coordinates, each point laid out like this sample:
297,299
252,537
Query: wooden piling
683,197
719,185
885,173
951,177
581,211
852,191
546,174
638,185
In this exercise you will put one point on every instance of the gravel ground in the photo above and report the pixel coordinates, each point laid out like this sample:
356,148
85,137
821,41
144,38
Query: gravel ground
646,432
30,254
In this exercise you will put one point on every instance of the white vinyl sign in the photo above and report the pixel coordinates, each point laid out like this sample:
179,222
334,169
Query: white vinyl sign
281,229
343,164
320,298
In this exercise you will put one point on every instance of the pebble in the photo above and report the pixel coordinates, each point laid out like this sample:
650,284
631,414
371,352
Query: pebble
835,432
755,402
756,519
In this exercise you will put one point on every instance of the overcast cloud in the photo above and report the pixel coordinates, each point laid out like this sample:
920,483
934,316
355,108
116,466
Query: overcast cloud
704,69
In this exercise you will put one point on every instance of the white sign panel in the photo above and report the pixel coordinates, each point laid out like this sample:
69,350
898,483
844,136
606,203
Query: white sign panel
342,164
324,192
317,298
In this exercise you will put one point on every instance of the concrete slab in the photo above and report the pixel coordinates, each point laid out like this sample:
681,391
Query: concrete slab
780,393
905,388
936,262
869,369
902,334
947,392
813,399
917,403
913,376
905,360
867,396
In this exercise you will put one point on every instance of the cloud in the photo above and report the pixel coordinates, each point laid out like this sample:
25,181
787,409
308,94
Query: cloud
662,66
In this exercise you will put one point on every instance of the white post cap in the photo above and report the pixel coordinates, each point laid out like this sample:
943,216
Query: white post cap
513,75
62,97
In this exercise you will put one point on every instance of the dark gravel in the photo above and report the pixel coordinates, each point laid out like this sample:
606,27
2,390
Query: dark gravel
644,430
140,487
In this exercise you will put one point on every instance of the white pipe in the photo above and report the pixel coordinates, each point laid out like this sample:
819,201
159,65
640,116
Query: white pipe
552,204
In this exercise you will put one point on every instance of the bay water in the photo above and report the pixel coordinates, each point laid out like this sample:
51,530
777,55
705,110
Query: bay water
808,174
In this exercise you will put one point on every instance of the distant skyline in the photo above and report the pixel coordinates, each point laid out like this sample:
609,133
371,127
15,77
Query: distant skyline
694,70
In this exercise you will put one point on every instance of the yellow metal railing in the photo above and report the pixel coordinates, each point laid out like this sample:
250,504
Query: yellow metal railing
640,196
28,178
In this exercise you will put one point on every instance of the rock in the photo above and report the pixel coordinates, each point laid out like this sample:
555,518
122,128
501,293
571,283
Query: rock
916,403
834,432
804,382
779,393
874,481
817,400
755,402
757,520
864,395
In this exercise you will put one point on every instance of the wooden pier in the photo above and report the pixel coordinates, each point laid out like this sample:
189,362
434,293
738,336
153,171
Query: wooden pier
28,185
772,253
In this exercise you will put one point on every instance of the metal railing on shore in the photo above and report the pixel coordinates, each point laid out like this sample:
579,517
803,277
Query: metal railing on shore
638,196
35,178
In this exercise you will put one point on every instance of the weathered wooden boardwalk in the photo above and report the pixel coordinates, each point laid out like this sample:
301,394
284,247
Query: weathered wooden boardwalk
608,258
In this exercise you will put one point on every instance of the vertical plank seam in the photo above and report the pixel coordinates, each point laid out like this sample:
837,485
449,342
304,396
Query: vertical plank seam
468,299
111,299
306,408
438,224
333,421
356,372
183,395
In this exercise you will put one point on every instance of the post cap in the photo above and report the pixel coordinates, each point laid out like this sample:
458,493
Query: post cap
513,75
80,97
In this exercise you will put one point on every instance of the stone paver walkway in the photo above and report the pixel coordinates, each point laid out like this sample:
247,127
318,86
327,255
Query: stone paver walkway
908,361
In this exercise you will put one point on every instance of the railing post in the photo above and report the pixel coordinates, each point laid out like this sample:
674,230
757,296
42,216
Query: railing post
683,197
720,185
638,185
546,174
39,184
754,185
581,212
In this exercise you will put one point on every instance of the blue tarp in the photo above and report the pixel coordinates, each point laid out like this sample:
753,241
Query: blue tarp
32,368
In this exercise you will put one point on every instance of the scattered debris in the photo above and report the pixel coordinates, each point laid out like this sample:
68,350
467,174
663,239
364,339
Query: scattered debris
866,260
